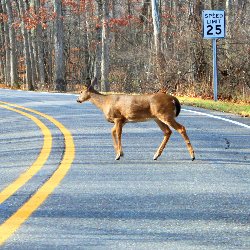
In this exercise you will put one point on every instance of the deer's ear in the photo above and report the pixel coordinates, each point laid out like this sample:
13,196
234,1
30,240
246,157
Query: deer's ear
88,82
94,82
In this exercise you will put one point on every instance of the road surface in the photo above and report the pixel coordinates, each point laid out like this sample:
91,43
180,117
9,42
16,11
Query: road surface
95,202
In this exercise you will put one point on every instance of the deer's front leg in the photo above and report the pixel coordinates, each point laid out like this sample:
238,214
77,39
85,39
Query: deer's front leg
114,137
118,129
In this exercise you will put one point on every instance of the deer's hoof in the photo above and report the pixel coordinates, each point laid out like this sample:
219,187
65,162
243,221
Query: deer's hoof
118,157
193,156
156,157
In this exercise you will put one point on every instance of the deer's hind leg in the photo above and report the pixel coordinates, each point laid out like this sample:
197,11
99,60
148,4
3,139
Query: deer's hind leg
167,133
181,129
114,137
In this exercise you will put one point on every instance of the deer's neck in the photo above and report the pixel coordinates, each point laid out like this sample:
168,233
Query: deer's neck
98,100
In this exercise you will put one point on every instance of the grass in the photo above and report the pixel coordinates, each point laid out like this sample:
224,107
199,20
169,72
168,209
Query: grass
242,109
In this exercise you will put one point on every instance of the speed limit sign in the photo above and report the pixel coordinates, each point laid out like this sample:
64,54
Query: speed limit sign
214,28
213,24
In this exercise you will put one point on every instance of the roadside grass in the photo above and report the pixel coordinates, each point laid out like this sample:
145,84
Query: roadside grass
242,109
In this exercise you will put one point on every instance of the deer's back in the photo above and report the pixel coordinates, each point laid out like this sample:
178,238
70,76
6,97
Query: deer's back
134,108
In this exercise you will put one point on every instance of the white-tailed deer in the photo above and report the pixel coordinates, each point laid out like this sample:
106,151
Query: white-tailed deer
121,108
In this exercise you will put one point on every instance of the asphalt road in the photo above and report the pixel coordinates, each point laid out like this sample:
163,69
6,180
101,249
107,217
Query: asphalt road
134,203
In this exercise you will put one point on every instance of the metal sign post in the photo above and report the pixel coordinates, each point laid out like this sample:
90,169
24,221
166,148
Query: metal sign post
214,28
215,70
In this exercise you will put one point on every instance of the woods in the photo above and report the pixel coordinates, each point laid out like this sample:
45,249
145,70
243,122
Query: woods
130,46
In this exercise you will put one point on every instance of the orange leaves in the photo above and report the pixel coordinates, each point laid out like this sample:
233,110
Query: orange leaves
115,23
78,6
70,3
45,15
16,25
32,18
123,21
118,22
3,17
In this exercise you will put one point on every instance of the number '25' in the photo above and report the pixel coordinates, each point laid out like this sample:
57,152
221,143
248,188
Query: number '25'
210,30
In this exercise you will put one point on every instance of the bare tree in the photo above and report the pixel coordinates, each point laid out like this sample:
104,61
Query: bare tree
59,67
40,47
27,52
98,51
160,60
105,46
12,37
5,45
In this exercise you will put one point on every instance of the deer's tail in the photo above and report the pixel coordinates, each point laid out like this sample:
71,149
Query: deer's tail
177,106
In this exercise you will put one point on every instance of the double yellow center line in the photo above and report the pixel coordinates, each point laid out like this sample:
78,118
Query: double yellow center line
25,211
39,162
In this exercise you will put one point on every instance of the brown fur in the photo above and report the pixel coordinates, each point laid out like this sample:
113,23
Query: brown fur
120,109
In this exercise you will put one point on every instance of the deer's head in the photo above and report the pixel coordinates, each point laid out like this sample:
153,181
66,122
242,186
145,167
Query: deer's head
85,93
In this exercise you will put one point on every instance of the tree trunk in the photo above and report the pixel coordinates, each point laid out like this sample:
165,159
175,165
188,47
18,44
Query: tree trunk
98,52
105,47
59,67
6,42
40,49
160,60
86,46
198,57
2,44
13,57
30,4
29,79
157,26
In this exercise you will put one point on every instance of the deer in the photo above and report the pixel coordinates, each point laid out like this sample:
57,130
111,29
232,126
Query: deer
120,109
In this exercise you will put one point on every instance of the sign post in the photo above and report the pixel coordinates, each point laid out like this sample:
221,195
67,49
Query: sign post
214,28
215,78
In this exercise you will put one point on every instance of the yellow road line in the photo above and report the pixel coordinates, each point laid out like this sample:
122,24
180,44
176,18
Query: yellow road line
24,212
39,162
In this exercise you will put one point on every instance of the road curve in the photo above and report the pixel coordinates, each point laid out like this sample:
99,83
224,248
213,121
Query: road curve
38,163
10,225
134,203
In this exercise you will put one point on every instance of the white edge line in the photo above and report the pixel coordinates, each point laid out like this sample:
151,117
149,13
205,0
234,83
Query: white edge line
218,117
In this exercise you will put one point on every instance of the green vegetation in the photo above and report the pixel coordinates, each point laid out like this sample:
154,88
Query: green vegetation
242,109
